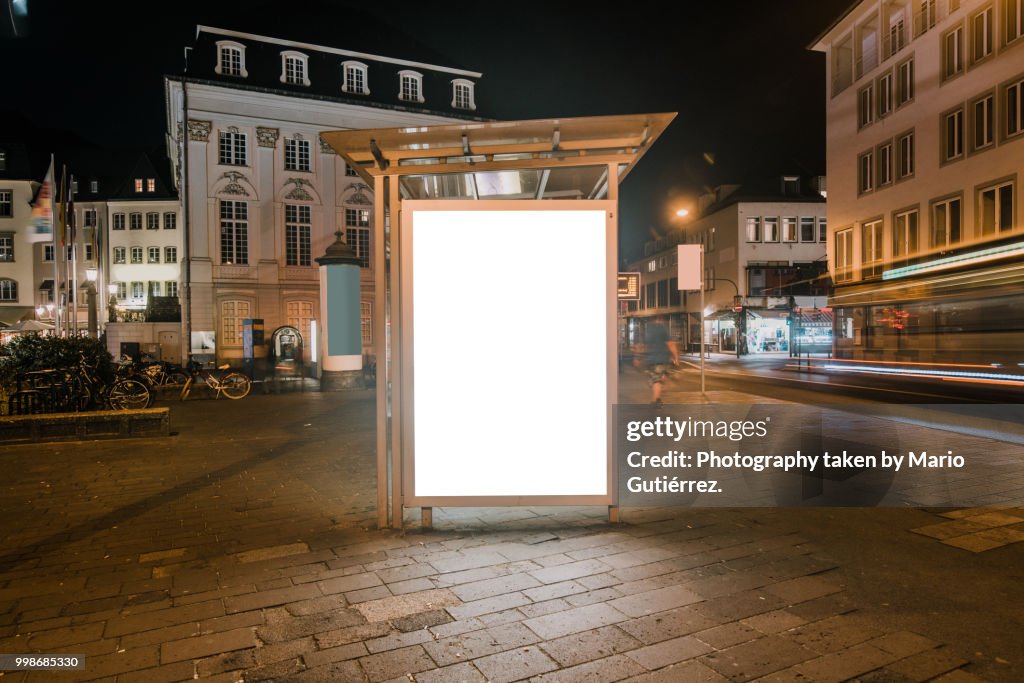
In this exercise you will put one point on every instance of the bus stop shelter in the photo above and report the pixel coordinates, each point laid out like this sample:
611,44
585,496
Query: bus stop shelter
477,226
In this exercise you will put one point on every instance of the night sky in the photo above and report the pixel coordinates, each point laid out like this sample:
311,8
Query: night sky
750,96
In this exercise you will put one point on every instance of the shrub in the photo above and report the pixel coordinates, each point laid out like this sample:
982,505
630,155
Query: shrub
27,352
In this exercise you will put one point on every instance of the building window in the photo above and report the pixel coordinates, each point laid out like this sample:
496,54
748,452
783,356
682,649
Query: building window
865,172
885,164
866,109
171,287
771,229
232,313
789,231
842,65
88,252
952,52
170,254
138,185
1014,103
231,59
905,155
953,125
357,234
48,253
904,234
170,221
89,218
136,254
296,154
297,228
366,322
122,290
138,290
119,254
294,68
897,30
807,229
1013,20
995,210
150,184
351,171
234,233
822,230
3,160
6,203
300,315
8,290
462,94
982,123
152,221
135,221
867,45
844,255
946,223
154,255
884,95
6,246
904,83
94,186
232,148
754,229
354,81
410,86
118,221
871,248
925,18
982,34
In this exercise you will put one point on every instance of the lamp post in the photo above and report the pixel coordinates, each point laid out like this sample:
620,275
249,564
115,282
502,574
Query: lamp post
112,303
90,293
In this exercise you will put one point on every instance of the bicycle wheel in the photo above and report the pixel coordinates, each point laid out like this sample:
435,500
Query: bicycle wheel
176,378
235,385
129,394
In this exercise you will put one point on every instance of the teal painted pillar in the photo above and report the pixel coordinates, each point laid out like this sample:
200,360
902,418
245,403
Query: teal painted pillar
341,339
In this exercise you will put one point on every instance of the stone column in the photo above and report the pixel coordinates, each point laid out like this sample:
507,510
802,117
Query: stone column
341,339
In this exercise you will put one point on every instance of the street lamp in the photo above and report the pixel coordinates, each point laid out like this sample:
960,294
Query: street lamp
90,293
112,303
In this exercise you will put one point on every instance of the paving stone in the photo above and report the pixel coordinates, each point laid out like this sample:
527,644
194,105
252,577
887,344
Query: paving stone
671,623
669,652
388,665
658,600
804,588
574,620
845,664
422,620
165,617
231,621
589,645
928,665
539,609
271,553
606,670
367,594
344,584
959,676
456,673
351,634
123,661
554,590
488,588
833,634
277,652
515,664
317,605
480,643
230,661
393,607
468,560
688,672
170,673
50,641
297,627
989,539
404,573
572,570
757,658
774,622
200,646
398,640
334,654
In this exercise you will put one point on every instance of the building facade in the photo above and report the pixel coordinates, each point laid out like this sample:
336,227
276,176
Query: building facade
263,195
17,267
764,260
925,122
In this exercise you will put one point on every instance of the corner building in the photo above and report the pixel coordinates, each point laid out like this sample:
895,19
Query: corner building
263,195
925,127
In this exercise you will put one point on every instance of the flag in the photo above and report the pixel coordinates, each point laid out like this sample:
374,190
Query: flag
42,210
62,227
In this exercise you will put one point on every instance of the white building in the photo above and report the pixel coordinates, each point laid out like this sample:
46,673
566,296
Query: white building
17,290
262,194
925,118
764,257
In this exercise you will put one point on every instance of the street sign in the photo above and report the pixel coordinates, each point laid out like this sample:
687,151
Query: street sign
629,287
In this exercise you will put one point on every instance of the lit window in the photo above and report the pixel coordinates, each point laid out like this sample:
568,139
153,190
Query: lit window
294,68
138,185
354,79
119,254
6,203
754,229
232,313
231,59
946,223
234,233
150,184
357,234
789,230
871,248
904,234
410,86
844,255
462,94
154,255
6,246
996,208
171,287
137,254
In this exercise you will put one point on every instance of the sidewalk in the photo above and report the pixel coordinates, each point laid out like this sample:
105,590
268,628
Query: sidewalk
244,548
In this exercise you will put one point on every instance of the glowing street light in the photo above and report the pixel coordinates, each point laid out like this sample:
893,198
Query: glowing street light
683,213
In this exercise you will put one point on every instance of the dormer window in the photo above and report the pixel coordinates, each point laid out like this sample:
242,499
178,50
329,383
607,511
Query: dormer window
94,186
3,160
231,59
462,94
138,185
150,185
354,80
411,89
294,68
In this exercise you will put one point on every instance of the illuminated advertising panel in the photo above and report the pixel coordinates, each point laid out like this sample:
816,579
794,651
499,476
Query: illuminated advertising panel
510,351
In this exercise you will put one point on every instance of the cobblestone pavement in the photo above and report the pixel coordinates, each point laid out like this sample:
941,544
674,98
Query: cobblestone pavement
243,548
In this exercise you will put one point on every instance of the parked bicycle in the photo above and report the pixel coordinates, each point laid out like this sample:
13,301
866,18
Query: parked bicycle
157,373
76,389
233,384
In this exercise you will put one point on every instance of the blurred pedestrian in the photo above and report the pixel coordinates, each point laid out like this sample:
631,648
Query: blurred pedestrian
661,350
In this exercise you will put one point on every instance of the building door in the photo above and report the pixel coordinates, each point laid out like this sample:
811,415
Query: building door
170,347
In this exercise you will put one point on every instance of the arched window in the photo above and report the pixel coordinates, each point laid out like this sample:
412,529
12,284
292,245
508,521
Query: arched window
354,78
8,290
294,68
231,59
410,86
463,96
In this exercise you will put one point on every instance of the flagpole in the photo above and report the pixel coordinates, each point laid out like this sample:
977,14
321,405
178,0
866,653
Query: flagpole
70,219
55,292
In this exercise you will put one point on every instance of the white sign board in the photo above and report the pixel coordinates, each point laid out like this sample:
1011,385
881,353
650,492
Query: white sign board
691,270
511,314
